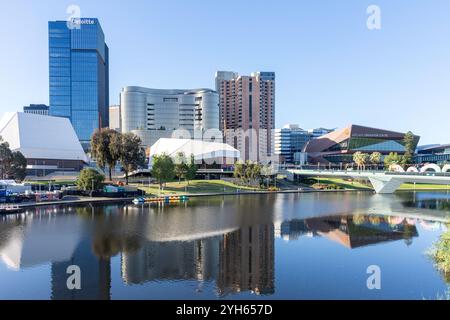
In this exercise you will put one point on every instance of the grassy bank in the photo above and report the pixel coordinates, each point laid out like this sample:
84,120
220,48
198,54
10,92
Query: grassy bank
410,186
194,187
341,183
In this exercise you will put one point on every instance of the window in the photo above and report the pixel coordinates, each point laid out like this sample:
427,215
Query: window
170,99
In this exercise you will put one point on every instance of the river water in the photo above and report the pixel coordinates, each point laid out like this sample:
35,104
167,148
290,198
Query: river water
277,246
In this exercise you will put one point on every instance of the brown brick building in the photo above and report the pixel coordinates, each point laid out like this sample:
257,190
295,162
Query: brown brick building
247,112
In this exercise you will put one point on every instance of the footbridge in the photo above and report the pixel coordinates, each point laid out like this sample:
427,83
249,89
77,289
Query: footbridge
382,182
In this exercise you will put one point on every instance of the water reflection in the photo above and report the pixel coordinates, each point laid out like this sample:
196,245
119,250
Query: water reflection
352,231
227,241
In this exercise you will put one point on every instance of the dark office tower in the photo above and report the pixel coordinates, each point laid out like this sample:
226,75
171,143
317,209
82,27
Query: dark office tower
79,75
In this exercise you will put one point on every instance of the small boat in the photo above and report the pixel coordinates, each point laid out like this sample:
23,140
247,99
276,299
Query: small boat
138,200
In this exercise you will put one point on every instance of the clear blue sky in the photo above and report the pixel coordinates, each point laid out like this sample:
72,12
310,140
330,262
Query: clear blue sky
331,70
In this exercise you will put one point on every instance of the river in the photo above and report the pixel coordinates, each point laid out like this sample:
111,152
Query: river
276,246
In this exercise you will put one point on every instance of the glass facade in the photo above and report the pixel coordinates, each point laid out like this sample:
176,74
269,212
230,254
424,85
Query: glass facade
79,76
438,154
289,143
340,145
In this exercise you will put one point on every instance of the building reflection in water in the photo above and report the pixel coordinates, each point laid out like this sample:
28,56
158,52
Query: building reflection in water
352,231
154,261
239,261
247,261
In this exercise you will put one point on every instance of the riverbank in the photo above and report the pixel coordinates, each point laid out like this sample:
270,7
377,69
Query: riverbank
214,188
99,201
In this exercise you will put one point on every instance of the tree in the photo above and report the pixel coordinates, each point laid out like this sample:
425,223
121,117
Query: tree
360,159
17,166
247,171
192,169
163,168
392,159
375,158
181,166
90,179
239,170
103,150
130,152
254,169
409,142
267,171
13,165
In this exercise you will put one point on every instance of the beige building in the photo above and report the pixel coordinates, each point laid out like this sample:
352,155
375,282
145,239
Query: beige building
114,118
247,112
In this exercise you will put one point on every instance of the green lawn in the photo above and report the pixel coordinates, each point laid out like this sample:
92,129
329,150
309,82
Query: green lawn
410,186
343,183
194,187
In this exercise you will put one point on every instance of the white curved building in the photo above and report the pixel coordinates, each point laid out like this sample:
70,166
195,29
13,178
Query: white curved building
49,144
203,151
156,113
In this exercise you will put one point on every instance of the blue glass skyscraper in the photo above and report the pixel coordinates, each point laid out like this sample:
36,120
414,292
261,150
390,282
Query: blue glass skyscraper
79,75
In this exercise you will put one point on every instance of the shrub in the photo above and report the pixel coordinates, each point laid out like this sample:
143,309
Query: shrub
90,180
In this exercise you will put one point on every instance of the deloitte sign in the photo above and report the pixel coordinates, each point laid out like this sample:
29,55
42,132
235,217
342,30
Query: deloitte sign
76,23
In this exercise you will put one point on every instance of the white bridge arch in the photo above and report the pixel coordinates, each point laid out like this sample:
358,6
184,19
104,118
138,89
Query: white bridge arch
431,167
396,168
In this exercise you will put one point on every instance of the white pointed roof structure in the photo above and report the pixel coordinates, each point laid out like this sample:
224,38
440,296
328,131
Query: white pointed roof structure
41,137
201,150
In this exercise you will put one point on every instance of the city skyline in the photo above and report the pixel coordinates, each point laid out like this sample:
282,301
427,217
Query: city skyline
331,69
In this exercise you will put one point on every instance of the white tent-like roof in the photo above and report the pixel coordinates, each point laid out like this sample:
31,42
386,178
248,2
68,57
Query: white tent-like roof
41,137
202,150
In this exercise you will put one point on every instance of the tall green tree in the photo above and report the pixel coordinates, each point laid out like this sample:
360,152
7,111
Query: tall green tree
131,153
13,165
181,167
254,169
360,159
17,166
192,169
103,151
375,158
410,145
163,168
5,157
90,180
239,170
